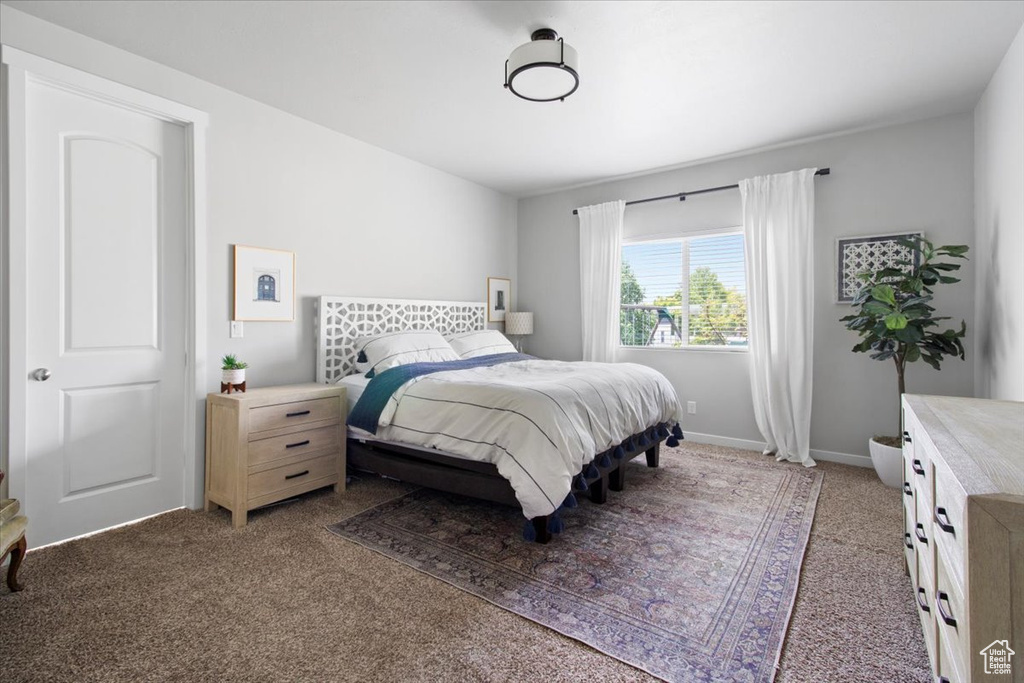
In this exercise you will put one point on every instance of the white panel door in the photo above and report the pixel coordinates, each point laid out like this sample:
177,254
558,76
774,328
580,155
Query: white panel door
106,215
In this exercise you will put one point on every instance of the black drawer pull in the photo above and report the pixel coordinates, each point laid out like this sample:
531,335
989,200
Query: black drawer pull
908,540
300,474
907,488
920,534
923,604
942,519
298,414
917,467
946,616
906,437
296,445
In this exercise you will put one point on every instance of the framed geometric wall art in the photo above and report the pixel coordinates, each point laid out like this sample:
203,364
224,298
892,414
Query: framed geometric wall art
264,284
855,255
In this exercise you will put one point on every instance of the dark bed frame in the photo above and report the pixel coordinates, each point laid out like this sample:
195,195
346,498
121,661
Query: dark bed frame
481,479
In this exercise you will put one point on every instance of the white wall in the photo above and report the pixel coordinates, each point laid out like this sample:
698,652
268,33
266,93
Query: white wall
999,221
361,221
903,178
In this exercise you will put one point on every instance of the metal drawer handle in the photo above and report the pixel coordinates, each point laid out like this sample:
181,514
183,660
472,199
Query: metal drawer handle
296,445
908,540
946,616
942,519
298,414
907,489
906,437
300,474
920,534
918,467
923,604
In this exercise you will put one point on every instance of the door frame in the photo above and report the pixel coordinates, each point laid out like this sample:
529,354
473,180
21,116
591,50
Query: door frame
17,69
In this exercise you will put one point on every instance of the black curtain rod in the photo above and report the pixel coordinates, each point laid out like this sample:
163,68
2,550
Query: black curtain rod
683,195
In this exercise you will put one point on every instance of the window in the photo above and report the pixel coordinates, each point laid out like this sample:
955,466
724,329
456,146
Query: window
684,292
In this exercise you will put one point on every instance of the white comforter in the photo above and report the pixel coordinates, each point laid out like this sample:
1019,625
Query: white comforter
540,422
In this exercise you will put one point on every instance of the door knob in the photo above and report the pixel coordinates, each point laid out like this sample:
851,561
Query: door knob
40,374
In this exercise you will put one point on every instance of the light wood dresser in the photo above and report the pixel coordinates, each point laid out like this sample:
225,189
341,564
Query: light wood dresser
963,504
272,443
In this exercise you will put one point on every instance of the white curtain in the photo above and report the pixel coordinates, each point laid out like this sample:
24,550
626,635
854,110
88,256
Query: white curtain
778,235
600,276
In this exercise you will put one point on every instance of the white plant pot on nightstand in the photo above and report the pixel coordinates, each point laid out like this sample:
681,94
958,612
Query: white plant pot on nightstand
232,376
888,462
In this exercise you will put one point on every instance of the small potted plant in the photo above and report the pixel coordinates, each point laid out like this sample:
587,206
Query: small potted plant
893,315
232,373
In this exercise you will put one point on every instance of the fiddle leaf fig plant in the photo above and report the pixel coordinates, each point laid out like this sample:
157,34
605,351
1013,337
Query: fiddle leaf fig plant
893,313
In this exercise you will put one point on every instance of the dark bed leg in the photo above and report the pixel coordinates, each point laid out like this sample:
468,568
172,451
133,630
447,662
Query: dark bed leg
653,454
617,477
599,489
540,525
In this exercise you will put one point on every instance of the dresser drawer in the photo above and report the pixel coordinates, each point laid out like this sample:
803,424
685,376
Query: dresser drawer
292,414
293,445
917,458
296,475
949,525
924,543
908,492
950,614
909,443
910,547
925,608
948,673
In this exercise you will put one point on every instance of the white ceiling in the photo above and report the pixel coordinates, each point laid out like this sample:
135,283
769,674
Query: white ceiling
662,83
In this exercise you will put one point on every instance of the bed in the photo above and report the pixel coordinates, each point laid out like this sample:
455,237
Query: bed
489,446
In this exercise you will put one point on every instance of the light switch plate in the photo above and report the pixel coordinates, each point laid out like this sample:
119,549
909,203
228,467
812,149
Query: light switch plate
691,407
236,329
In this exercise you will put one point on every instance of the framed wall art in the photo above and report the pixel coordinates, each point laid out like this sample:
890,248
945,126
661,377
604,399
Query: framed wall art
264,284
499,298
855,255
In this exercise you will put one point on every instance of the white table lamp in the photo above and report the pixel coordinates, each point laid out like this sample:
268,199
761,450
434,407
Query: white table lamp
518,324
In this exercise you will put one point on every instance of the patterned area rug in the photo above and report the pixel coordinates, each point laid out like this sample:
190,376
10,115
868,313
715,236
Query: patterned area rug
689,574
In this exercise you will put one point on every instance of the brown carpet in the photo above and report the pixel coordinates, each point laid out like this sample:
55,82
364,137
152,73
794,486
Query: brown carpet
185,597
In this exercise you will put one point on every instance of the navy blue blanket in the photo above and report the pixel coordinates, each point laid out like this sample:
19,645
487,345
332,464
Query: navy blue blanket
368,408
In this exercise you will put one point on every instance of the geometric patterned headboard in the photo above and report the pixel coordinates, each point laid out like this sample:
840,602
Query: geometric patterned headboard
343,319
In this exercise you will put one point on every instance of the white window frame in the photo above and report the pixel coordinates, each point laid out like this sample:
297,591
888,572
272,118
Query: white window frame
684,237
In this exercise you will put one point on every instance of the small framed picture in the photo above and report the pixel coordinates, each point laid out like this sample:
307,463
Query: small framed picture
499,298
264,284
856,255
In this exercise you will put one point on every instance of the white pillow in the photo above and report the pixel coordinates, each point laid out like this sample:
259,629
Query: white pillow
387,350
480,343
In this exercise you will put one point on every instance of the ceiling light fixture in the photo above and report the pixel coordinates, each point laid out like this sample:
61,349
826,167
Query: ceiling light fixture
543,70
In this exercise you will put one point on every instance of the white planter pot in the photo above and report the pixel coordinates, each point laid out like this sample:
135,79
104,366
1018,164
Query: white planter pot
888,462
232,376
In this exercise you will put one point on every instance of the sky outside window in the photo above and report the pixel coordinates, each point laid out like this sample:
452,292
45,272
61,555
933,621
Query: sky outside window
658,265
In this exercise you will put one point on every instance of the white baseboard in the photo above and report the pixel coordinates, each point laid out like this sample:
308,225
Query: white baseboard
746,444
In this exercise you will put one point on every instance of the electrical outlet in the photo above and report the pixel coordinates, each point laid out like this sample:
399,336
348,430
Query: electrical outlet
691,407
236,329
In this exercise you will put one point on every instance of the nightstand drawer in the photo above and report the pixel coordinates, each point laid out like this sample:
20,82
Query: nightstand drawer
290,414
294,444
297,475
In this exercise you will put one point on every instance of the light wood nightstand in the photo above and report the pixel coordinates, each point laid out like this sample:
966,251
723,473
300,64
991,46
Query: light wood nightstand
272,443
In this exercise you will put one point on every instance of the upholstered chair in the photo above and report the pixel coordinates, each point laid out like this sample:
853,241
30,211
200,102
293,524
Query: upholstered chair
12,538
